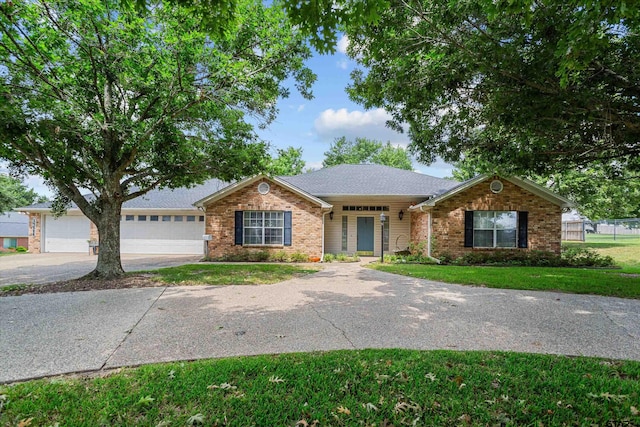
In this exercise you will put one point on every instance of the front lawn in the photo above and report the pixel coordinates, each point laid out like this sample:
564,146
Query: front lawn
341,388
623,283
184,275
230,274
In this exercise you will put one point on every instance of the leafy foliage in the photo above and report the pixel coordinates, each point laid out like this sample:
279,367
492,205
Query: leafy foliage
97,97
288,162
363,151
13,194
532,86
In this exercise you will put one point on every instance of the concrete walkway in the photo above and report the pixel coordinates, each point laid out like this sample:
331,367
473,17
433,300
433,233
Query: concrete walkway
343,306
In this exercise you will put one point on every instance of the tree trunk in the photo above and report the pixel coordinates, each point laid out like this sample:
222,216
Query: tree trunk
108,224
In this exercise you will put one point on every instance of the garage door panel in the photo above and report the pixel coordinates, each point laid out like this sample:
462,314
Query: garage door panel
66,234
159,246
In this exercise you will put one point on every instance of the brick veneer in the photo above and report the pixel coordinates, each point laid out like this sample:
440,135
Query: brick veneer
447,224
306,232
34,237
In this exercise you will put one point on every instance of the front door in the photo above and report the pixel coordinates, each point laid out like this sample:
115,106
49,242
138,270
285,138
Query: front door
365,234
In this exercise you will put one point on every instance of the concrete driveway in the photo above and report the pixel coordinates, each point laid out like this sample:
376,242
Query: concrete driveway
52,267
344,306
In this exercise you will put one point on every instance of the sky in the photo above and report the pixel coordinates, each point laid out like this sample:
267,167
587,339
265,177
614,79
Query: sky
314,124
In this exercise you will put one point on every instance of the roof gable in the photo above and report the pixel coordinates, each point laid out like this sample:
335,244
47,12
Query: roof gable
230,189
526,184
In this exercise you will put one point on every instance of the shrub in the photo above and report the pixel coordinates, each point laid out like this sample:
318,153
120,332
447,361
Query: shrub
576,256
329,258
571,257
280,256
21,249
341,257
299,257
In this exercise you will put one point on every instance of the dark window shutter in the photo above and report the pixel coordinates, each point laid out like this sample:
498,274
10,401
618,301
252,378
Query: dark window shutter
468,229
239,227
523,225
287,228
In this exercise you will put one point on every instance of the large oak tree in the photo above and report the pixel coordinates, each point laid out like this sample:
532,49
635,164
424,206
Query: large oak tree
531,85
97,98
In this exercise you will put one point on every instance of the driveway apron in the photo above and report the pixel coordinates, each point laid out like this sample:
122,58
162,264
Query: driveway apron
344,306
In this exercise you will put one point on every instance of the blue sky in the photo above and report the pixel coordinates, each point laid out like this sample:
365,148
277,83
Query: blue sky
314,124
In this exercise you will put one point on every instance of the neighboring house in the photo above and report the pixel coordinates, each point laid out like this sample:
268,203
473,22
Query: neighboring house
331,210
14,231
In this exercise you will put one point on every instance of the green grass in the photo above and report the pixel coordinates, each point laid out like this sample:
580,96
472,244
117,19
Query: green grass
341,388
623,282
625,251
620,283
230,274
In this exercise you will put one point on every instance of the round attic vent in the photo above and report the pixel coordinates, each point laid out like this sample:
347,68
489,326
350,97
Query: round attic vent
496,186
263,188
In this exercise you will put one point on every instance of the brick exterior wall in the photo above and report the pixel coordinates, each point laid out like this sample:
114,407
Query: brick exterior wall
544,221
306,233
35,246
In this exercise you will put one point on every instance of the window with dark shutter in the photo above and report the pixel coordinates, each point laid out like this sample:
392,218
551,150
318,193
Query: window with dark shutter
468,229
523,225
287,228
238,227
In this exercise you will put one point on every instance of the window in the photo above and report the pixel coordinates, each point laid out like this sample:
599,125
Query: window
166,218
153,218
495,229
129,218
9,242
191,218
345,232
177,218
201,218
263,228
142,217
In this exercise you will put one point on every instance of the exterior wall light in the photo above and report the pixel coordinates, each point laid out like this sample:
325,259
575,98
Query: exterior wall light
331,215
400,215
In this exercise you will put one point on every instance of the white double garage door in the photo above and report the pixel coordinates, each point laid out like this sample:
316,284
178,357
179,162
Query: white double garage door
70,233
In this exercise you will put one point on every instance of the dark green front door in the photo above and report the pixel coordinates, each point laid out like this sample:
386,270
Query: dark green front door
365,234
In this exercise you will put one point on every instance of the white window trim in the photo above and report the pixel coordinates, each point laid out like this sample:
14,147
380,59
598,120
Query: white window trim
495,231
262,228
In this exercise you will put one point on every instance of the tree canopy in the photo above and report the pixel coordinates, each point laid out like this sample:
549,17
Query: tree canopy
287,162
536,86
363,150
98,98
13,194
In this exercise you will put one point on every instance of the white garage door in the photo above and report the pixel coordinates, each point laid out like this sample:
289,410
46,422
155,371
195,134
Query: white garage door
161,234
66,234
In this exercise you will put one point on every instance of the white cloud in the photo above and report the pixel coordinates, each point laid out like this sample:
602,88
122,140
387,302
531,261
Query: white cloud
300,107
371,124
343,44
343,64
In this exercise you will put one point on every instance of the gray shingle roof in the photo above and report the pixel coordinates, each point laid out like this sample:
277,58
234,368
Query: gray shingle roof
14,224
369,180
179,198
341,180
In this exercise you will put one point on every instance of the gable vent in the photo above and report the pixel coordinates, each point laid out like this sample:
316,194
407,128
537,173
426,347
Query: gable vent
263,188
496,186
